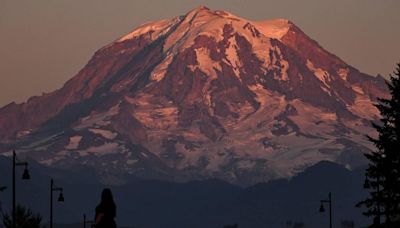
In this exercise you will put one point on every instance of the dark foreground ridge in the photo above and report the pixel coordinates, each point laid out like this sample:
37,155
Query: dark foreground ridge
208,203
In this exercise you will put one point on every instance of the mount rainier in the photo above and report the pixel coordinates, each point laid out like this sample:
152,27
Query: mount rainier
199,96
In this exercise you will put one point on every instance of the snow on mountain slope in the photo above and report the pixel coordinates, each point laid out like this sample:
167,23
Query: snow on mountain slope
204,95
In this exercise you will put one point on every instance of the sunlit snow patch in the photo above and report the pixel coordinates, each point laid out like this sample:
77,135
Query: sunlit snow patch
74,142
155,29
105,133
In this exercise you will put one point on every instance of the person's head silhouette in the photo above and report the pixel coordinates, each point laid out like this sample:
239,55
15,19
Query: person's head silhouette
106,196
106,210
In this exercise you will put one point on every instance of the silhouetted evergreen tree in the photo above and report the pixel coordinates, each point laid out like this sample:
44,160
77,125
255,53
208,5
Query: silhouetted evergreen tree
383,172
24,218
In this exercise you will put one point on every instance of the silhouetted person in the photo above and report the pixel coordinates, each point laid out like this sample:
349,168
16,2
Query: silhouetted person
105,211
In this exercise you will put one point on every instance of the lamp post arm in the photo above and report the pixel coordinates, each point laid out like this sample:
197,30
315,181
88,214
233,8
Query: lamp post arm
86,221
21,163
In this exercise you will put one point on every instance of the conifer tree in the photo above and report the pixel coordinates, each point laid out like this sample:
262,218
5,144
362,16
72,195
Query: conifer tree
25,218
383,172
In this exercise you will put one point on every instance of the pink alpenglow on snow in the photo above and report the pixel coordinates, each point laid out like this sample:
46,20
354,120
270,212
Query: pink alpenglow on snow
203,95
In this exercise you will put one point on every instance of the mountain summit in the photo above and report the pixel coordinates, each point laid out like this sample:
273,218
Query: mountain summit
204,95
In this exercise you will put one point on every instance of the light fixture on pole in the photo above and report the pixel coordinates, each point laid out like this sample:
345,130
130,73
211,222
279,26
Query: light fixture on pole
322,209
60,199
25,176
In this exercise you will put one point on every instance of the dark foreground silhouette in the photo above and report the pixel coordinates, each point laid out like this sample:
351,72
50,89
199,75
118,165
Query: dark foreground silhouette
231,226
199,204
105,211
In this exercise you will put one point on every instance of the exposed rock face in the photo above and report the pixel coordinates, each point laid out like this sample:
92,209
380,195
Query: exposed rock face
204,95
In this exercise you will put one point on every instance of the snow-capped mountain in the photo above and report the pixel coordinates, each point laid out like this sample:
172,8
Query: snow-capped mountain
204,95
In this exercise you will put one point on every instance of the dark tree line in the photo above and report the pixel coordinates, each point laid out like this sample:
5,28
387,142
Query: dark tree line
383,173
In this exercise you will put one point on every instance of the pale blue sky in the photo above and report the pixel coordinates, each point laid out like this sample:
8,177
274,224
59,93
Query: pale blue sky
43,43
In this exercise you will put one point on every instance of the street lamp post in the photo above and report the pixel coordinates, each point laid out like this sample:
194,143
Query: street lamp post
25,176
60,199
322,209
2,188
86,222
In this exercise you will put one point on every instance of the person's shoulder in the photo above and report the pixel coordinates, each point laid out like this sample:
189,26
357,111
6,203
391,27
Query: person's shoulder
99,207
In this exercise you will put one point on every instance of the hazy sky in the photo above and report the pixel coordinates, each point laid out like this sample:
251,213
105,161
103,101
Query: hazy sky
43,43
